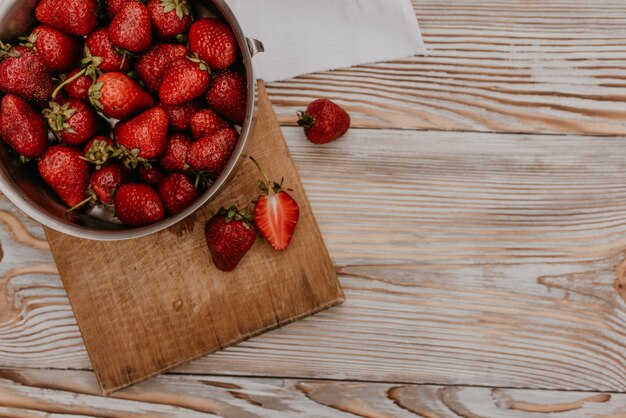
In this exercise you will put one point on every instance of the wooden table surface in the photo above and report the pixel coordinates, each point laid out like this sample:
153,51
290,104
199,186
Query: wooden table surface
476,215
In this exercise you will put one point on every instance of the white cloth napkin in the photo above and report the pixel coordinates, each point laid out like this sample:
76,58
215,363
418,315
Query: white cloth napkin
305,36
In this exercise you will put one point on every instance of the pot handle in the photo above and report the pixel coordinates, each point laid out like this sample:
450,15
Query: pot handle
255,46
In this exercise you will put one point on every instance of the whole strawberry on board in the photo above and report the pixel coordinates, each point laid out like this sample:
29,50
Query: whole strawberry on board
131,28
143,137
24,73
117,96
61,52
276,213
230,234
73,121
64,170
138,204
152,65
214,42
177,192
184,80
22,128
170,18
74,17
228,96
324,121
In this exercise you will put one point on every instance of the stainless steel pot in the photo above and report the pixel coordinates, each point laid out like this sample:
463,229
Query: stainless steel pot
27,191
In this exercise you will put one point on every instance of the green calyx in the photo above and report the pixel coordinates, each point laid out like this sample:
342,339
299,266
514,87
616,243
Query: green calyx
306,120
180,6
91,200
99,153
266,186
95,95
7,50
29,41
130,158
57,117
234,214
203,65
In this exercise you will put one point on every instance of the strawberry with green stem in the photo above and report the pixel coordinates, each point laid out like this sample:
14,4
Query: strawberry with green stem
324,121
142,138
276,213
117,96
230,234
184,80
170,18
60,52
73,122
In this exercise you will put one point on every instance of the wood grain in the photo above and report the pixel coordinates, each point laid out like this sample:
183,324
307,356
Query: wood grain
150,304
26,393
548,66
466,258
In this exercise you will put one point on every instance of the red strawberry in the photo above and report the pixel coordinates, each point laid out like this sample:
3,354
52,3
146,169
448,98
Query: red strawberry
228,96
105,182
205,122
79,87
118,96
22,128
180,116
324,121
146,133
24,73
130,28
75,17
99,150
60,52
229,235
184,80
138,205
214,42
211,153
177,192
175,156
114,6
170,18
63,169
99,45
153,63
276,213
151,176
73,122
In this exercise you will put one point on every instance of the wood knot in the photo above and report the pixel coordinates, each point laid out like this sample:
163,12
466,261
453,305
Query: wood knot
620,281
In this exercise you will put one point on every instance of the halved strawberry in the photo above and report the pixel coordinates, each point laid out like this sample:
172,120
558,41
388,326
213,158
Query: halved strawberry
276,213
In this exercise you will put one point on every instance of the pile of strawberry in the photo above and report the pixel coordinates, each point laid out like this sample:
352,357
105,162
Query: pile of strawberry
123,103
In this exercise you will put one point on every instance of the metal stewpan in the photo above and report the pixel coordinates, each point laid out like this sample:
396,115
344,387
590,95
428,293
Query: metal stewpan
23,186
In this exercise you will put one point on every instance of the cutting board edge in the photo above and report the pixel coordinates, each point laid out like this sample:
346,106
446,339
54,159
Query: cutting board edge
336,302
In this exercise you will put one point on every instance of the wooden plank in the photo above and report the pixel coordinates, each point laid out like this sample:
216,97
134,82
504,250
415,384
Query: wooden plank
153,303
466,257
506,66
26,393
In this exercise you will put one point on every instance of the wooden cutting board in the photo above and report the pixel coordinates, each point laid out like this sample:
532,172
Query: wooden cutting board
147,305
